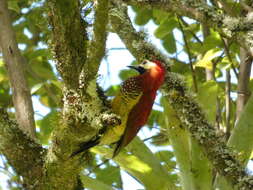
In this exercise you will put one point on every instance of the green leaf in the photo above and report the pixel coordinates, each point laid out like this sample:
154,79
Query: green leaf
5,98
42,68
208,91
3,74
165,28
46,125
109,175
169,43
125,74
195,47
161,139
39,53
142,164
212,41
143,16
36,87
94,184
13,5
206,61
112,90
159,15
156,117
164,155
241,138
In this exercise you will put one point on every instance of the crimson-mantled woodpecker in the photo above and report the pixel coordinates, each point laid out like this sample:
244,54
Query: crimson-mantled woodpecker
133,104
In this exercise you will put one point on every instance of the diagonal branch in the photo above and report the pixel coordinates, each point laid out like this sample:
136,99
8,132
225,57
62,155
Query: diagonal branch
14,63
214,147
21,152
187,110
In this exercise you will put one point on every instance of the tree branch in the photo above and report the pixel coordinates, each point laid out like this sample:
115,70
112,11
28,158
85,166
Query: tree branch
214,147
230,27
15,64
21,152
96,48
243,92
69,39
228,103
188,51
187,110
85,110
194,168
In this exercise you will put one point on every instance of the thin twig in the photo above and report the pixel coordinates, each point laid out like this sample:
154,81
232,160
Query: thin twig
228,103
226,48
189,55
192,33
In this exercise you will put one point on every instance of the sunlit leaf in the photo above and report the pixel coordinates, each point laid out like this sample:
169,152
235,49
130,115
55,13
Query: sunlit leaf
206,61
112,90
94,184
164,156
36,87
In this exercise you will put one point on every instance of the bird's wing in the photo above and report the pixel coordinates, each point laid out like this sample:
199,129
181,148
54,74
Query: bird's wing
136,119
128,95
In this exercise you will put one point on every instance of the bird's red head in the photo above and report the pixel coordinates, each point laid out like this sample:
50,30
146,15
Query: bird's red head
147,66
152,73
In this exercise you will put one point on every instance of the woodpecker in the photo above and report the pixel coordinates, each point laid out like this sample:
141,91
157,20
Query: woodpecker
133,104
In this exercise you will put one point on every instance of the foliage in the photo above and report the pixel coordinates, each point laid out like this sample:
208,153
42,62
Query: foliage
192,53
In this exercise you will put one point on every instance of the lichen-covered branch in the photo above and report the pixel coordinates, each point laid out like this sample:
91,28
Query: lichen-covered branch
21,151
85,109
188,111
194,167
239,28
96,48
15,66
215,148
81,120
69,39
178,6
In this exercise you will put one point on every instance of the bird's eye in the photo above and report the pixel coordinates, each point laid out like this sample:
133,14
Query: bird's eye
144,62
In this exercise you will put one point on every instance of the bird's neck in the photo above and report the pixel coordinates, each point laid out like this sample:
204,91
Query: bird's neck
153,79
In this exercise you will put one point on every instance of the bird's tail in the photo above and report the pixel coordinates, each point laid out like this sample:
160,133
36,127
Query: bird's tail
118,147
85,146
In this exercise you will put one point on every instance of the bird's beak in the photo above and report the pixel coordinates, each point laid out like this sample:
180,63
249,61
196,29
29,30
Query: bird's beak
140,69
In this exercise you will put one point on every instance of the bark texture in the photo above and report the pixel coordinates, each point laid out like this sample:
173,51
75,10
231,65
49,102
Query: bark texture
15,66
